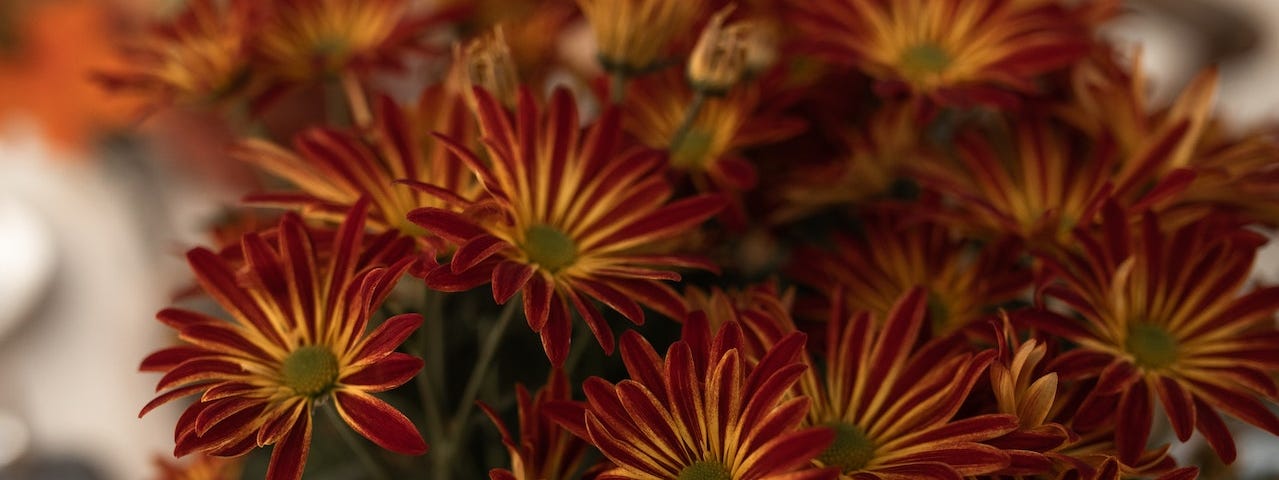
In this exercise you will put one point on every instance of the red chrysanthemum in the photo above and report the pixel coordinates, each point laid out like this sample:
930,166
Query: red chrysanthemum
705,412
953,51
893,407
568,221
544,450
296,339
1161,316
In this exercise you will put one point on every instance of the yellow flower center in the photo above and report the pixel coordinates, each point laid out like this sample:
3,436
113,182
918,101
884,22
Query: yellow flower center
925,59
310,370
705,470
691,150
851,451
1152,346
549,247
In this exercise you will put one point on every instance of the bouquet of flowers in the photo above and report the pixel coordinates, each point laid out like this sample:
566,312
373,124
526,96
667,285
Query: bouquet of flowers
766,239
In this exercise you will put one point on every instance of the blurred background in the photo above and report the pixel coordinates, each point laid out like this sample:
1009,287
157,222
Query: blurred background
97,204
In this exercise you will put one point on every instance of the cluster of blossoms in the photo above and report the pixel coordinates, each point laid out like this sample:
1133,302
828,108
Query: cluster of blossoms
891,239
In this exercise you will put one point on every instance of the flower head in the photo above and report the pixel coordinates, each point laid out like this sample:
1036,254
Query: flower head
634,36
199,57
567,222
202,467
953,51
296,339
1161,316
706,412
390,165
892,407
894,254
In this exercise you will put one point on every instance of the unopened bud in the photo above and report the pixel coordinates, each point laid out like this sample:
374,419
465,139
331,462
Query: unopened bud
719,58
488,64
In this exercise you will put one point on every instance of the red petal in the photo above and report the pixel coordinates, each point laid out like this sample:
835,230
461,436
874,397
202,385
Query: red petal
388,336
557,332
538,294
379,422
447,224
1178,404
164,360
508,278
476,250
392,371
288,458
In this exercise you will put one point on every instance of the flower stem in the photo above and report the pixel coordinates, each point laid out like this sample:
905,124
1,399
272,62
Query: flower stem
429,383
356,100
618,88
694,108
487,351
375,471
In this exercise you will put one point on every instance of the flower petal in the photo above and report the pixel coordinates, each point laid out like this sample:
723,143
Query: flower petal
379,422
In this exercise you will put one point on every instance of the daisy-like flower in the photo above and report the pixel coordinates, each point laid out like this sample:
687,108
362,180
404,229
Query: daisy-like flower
635,36
1161,316
202,467
308,40
391,166
296,340
892,407
894,254
953,51
198,58
705,412
567,221
1237,173
875,159
708,150
544,450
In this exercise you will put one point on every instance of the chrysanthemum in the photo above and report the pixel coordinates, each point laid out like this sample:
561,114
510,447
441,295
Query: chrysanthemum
197,58
709,151
705,412
308,40
892,407
544,450
894,254
1161,315
1230,172
202,467
874,161
333,168
296,340
568,221
954,51
634,36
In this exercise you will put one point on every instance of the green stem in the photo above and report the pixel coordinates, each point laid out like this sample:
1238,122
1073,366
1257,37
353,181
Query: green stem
582,340
694,108
618,89
430,342
361,451
487,351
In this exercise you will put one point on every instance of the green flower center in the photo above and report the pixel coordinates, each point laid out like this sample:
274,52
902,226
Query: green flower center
705,470
1152,345
549,247
851,451
690,152
310,370
925,58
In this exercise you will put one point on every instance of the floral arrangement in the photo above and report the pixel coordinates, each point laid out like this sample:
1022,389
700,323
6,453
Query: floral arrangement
771,239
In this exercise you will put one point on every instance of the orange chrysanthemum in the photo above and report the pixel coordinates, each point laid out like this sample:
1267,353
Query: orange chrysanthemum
392,166
875,160
199,57
894,254
634,36
202,467
1233,173
953,51
544,450
1160,316
892,407
706,412
307,40
567,221
709,149
297,339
